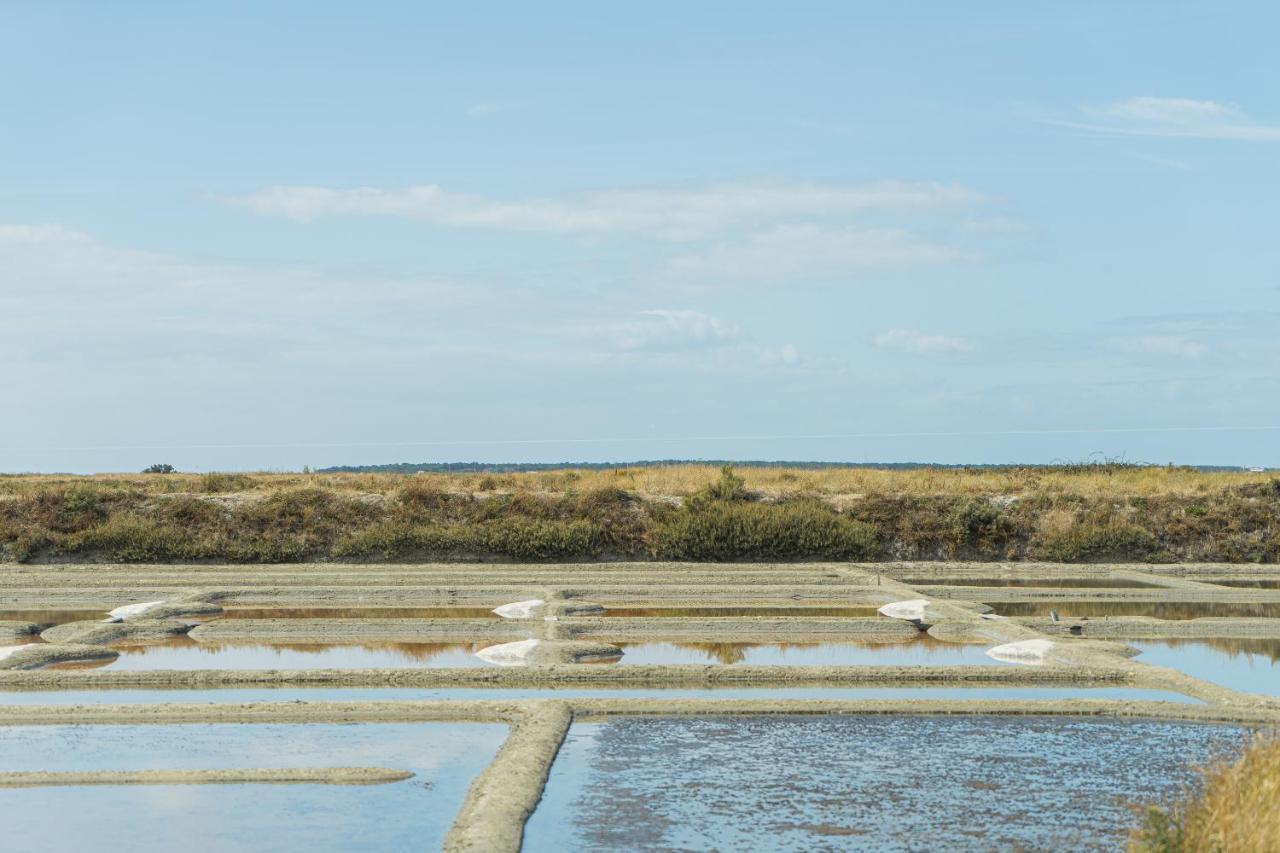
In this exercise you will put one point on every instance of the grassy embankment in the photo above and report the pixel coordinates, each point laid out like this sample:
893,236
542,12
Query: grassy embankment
1235,810
1069,513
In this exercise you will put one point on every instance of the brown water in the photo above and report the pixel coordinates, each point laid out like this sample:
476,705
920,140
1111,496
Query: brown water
49,618
1158,609
799,612
1050,583
185,653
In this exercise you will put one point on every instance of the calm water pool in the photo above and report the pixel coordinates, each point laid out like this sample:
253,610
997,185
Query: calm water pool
923,651
414,814
1250,665
861,783
184,653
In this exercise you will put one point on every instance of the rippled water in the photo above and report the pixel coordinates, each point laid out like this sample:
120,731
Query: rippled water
861,783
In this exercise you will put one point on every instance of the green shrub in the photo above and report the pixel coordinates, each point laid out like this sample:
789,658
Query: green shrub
215,483
794,530
1087,542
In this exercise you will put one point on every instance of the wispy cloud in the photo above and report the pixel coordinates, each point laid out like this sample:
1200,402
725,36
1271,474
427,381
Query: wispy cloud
667,328
667,213
912,340
1171,345
806,252
1172,117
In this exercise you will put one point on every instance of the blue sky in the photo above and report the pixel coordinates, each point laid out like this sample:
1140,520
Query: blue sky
268,235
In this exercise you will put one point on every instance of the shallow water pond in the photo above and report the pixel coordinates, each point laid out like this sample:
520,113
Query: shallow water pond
1249,584
185,653
1158,609
1251,665
866,783
49,618
924,651
414,814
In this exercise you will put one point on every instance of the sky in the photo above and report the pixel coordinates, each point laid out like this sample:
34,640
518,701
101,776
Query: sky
258,236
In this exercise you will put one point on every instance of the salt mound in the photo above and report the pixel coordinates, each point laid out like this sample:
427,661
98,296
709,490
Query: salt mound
129,611
911,611
1023,651
519,609
509,654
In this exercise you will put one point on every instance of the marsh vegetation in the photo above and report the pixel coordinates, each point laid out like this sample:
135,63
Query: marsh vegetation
696,513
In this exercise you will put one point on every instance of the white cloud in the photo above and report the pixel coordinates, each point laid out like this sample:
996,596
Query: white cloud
798,252
669,329
1174,117
1171,345
911,340
119,305
668,213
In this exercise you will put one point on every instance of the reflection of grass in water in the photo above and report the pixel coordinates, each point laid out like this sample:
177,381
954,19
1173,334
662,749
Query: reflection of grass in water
1231,646
1158,609
52,617
408,651
731,653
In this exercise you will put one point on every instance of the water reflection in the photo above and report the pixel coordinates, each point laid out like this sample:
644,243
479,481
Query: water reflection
185,653
924,651
1158,609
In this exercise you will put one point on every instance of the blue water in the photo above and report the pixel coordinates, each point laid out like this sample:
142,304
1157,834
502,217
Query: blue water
413,814
923,651
862,783
1250,665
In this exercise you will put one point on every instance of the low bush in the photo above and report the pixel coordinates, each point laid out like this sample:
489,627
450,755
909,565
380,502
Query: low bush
1233,810
1088,542
793,530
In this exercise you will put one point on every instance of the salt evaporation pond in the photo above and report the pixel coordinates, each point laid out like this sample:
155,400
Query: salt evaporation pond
1251,665
924,651
185,653
413,814
1158,609
867,783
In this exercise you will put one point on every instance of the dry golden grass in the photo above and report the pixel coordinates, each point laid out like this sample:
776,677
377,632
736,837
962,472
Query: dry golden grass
1236,811
683,480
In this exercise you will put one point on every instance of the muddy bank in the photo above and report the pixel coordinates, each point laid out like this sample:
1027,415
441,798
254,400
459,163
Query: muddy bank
569,675
500,800
37,656
12,632
480,711
250,776
99,633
